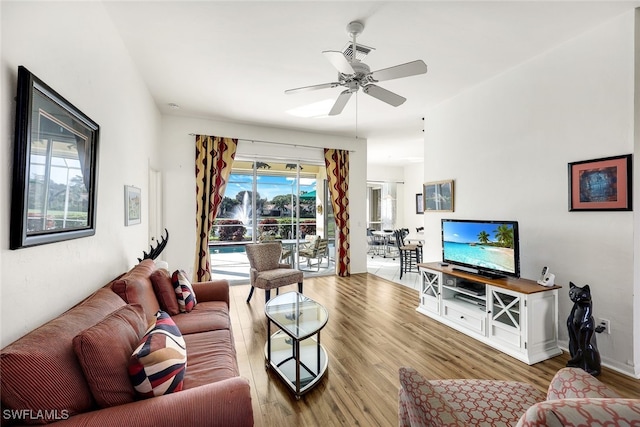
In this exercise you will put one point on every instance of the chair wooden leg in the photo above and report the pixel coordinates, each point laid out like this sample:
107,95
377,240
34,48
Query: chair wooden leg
267,295
250,294
300,287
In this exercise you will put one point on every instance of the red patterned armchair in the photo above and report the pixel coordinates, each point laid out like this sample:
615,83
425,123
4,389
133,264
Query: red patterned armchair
574,398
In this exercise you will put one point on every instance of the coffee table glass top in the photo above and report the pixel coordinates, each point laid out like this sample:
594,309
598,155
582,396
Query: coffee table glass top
298,316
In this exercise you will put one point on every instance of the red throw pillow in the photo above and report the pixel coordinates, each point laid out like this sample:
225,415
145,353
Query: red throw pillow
163,288
103,351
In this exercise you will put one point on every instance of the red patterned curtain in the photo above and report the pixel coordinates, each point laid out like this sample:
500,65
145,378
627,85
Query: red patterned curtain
337,163
214,160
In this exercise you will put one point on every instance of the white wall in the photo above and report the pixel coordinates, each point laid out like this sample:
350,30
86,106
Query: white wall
73,47
507,144
178,151
413,180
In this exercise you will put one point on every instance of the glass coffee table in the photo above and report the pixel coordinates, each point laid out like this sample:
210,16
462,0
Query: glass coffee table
294,351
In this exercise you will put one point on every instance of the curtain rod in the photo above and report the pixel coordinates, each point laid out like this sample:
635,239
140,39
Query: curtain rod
279,143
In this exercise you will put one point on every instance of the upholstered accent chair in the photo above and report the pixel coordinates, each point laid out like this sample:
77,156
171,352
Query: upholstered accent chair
574,398
267,272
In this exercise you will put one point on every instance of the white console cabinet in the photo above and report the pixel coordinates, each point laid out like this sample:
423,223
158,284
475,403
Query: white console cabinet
516,316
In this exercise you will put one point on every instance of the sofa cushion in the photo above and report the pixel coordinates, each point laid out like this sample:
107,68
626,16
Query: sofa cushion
211,358
488,402
158,364
184,291
206,316
34,367
135,287
104,350
163,288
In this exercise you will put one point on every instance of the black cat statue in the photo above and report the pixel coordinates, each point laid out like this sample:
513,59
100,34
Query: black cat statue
582,326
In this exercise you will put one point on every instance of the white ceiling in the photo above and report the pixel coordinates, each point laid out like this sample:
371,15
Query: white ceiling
233,60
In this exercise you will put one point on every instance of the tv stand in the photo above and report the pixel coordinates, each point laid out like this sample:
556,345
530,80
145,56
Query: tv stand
516,316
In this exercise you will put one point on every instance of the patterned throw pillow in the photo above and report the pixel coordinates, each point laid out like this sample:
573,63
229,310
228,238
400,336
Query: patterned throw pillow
157,366
184,291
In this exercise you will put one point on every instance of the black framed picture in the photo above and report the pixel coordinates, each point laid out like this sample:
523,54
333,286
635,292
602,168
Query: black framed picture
601,184
54,167
419,204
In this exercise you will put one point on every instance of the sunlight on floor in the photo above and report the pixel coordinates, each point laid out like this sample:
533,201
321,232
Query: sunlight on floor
389,268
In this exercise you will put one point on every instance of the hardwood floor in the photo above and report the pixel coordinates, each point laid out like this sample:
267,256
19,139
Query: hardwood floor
373,329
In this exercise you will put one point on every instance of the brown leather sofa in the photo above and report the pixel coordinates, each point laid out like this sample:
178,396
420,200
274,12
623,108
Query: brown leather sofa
42,380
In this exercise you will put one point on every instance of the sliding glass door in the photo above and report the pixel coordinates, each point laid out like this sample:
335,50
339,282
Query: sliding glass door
267,201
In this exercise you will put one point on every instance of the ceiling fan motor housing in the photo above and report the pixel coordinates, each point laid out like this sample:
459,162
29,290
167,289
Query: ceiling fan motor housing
355,28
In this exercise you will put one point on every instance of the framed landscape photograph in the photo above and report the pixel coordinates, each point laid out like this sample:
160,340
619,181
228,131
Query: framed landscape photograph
132,205
438,196
419,204
601,184
55,164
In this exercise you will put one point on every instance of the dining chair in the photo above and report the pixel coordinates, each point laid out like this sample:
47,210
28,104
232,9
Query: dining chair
376,243
266,272
410,254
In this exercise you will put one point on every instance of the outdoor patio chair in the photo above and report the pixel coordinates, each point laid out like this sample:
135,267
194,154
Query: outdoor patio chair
319,250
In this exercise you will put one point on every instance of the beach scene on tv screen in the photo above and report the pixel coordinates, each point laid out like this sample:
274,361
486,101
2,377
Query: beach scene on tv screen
486,245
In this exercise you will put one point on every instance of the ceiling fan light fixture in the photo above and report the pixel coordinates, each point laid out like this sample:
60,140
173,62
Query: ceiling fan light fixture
314,110
361,51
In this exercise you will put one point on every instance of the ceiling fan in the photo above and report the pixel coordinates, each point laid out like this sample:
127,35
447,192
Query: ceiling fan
354,75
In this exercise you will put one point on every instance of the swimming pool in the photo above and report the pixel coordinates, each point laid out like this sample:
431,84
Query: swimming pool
226,249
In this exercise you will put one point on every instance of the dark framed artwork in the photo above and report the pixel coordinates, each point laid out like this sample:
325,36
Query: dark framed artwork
419,204
601,184
438,196
54,167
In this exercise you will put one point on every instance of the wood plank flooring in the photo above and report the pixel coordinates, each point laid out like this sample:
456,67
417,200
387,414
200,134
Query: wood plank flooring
373,329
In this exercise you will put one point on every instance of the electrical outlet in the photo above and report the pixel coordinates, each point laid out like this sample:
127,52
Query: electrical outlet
605,324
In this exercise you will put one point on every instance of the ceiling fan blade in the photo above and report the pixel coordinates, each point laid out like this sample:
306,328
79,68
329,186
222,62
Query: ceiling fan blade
339,61
340,103
313,87
404,70
384,95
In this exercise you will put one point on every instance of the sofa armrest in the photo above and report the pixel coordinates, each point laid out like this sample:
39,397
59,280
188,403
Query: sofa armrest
582,412
575,383
223,403
215,290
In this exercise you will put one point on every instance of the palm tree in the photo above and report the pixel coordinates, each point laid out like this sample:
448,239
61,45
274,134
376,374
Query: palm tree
504,234
483,237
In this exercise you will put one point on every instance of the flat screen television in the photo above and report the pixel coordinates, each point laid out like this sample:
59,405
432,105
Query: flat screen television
488,248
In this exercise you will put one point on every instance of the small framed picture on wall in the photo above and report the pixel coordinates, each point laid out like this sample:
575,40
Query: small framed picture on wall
419,204
438,196
132,205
